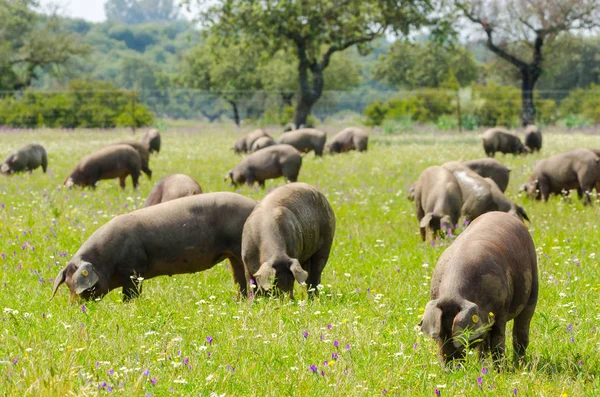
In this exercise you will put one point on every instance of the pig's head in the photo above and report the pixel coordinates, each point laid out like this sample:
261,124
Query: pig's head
76,178
83,281
531,189
281,273
236,177
436,223
454,325
7,167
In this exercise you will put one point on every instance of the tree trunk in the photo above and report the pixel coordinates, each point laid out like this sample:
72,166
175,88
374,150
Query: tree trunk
236,113
286,98
303,110
310,92
529,78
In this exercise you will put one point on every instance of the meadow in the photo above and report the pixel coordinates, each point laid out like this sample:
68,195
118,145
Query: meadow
190,335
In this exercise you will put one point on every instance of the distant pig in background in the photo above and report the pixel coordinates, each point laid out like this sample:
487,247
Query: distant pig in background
27,158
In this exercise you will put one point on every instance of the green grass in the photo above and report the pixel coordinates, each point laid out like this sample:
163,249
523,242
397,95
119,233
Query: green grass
376,285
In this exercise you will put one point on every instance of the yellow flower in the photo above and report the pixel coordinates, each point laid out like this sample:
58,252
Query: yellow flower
492,314
475,318
332,363
564,395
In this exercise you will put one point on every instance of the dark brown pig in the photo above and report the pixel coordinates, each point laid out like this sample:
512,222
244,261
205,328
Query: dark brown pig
115,161
142,150
476,192
305,140
505,204
486,278
438,201
351,138
27,158
261,143
288,237
575,169
152,140
269,163
501,140
187,235
491,168
533,138
172,187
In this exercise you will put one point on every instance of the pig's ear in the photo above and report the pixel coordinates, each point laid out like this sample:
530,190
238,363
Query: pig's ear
522,214
84,278
426,219
264,275
60,279
431,324
299,274
467,319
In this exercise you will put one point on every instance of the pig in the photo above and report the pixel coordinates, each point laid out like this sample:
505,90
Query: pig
438,201
244,144
351,138
505,204
575,169
115,161
27,158
261,143
269,163
288,237
501,140
186,235
142,150
172,187
486,278
476,192
305,140
491,168
152,140
533,138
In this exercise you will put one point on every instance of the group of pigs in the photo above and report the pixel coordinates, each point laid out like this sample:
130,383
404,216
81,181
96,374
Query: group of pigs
487,277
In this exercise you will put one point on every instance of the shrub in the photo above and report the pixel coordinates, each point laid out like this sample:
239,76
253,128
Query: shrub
582,105
375,113
446,123
497,105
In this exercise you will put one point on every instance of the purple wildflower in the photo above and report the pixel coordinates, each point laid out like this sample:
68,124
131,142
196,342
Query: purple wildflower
83,308
569,327
334,356
438,392
153,381
336,343
305,334
348,346
209,339
15,360
580,363
325,363
313,368
329,326
146,372
515,391
484,371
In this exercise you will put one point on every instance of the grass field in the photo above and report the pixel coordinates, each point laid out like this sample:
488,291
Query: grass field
189,335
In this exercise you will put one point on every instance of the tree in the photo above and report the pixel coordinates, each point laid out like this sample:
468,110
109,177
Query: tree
31,43
409,65
133,12
531,23
314,29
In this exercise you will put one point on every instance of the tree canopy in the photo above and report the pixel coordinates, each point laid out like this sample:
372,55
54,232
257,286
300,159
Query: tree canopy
133,12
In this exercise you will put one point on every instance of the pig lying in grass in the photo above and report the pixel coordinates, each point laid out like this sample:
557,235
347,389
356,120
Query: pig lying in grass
486,278
187,235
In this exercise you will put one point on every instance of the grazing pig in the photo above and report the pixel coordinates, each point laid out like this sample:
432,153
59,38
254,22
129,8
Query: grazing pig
261,143
115,161
152,140
501,140
351,138
305,140
187,235
269,163
27,158
172,187
486,278
438,201
533,138
476,192
575,169
288,237
505,204
491,168
142,150
244,144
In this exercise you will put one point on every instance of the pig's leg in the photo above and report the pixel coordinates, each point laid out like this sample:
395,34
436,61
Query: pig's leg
497,340
122,182
132,287
317,264
239,275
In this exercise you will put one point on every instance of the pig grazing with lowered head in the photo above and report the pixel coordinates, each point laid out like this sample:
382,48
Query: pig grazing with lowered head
152,140
27,158
269,163
476,192
501,140
351,138
533,138
187,235
115,161
491,168
438,201
244,144
505,204
261,143
288,237
305,140
142,150
486,278
172,187
575,169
